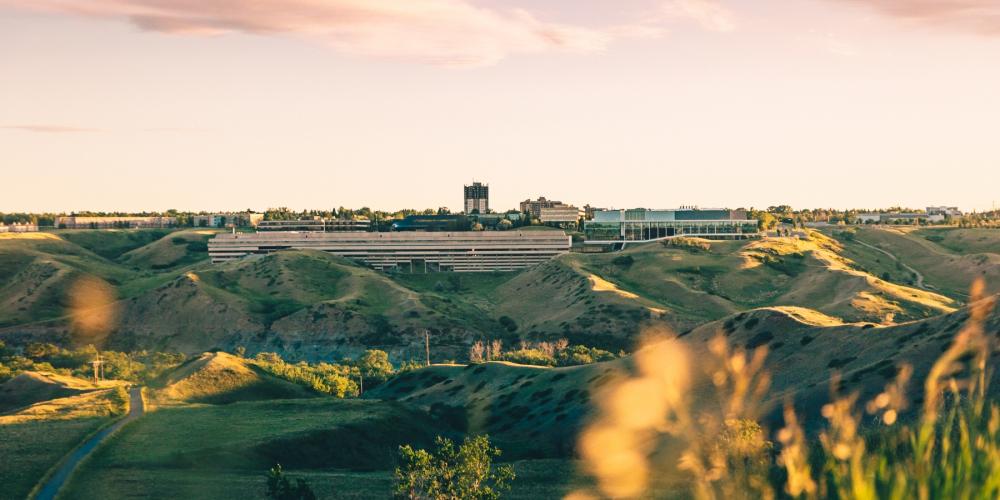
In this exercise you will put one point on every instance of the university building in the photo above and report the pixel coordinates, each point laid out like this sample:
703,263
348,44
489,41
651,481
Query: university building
476,198
467,251
316,224
641,224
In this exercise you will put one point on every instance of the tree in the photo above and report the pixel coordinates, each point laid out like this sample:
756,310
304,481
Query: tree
449,473
375,367
279,487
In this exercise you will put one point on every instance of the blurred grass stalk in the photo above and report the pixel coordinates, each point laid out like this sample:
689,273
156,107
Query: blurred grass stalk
951,449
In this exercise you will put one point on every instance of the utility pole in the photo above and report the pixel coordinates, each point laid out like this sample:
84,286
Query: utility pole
427,346
98,368
361,383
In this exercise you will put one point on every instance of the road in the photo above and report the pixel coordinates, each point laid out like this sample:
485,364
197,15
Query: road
920,277
58,480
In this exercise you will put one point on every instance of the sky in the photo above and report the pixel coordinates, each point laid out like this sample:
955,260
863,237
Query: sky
133,105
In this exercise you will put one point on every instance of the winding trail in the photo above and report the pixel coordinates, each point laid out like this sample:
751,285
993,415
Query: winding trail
70,463
920,277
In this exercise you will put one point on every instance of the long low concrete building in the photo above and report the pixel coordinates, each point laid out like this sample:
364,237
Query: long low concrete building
468,251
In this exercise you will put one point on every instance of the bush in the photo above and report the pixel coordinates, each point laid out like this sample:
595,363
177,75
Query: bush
528,357
582,355
449,473
280,487
690,244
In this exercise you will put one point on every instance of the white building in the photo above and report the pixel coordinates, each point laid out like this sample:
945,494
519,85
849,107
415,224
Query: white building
467,251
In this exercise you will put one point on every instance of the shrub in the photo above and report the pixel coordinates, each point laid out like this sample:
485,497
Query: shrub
449,473
528,357
582,355
280,487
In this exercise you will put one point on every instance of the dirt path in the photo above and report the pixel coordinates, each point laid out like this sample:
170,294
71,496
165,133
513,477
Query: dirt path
58,480
920,277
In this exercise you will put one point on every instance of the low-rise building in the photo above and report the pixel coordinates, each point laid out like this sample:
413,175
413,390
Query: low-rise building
534,207
228,219
641,224
316,224
944,211
560,214
416,251
110,222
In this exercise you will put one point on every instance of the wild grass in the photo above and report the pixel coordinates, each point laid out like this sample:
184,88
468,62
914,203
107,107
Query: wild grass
30,448
663,422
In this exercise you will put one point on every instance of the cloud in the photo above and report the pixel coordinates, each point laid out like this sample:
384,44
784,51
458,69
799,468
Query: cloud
443,32
710,14
52,129
979,16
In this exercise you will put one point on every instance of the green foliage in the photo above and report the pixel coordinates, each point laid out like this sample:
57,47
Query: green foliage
280,487
582,355
449,473
528,357
335,380
119,400
139,366
374,365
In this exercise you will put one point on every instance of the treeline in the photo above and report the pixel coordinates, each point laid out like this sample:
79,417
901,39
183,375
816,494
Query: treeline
140,366
558,353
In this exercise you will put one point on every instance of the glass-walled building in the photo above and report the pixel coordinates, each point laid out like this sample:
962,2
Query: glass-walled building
641,224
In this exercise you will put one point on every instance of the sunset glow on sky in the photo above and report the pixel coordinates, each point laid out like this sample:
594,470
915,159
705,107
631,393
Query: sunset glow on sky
226,105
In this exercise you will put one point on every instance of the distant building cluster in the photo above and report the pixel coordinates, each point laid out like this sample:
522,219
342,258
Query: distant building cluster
18,227
932,214
113,222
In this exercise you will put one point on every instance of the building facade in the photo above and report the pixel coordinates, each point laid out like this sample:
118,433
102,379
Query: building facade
534,207
641,224
19,227
242,219
560,214
477,198
468,251
110,222
316,224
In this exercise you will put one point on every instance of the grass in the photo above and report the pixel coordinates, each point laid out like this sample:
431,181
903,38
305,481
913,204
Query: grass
220,378
188,450
30,448
113,243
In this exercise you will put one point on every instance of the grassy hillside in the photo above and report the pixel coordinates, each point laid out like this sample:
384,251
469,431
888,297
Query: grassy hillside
162,455
177,249
37,445
313,305
220,378
948,259
31,387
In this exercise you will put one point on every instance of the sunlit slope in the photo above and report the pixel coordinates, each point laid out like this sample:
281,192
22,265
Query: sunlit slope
32,387
178,249
948,259
220,378
697,281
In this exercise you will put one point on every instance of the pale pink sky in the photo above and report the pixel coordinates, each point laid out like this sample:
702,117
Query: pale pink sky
210,104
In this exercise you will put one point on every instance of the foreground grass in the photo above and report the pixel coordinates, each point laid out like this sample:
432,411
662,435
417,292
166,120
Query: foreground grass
343,448
29,449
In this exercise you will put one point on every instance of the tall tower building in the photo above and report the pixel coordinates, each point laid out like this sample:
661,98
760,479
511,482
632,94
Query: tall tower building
477,198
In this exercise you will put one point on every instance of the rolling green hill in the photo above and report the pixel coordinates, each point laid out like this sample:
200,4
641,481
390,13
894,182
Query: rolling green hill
164,295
